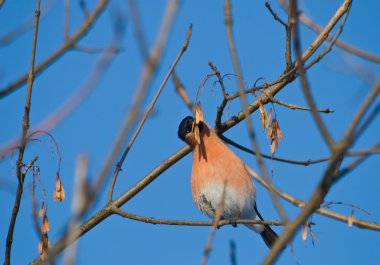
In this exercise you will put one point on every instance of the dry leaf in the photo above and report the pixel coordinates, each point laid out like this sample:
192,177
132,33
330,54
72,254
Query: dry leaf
40,247
42,209
59,193
43,245
198,119
270,131
263,114
197,135
199,114
350,219
272,146
267,120
278,130
45,225
274,133
304,232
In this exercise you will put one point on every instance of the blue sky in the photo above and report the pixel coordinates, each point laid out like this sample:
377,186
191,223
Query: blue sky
93,126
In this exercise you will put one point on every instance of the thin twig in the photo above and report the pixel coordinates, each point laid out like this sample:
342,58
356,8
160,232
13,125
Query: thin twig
288,45
157,221
147,112
344,171
141,40
342,44
294,107
149,67
180,89
372,150
300,203
67,107
217,217
332,169
25,127
371,117
304,82
67,45
235,60
271,157
288,51
275,16
221,107
333,41
102,214
350,133
342,9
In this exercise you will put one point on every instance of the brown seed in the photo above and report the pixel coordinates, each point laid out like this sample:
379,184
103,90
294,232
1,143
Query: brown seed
350,219
304,232
42,209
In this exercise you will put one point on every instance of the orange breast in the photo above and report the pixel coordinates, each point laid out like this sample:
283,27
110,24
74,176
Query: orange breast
215,163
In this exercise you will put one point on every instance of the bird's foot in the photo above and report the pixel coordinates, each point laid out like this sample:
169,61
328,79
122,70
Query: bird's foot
233,222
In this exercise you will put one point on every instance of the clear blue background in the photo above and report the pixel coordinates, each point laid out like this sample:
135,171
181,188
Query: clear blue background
93,126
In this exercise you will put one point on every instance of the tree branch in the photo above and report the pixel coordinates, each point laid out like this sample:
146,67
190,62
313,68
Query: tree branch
68,44
294,107
147,112
235,60
25,127
342,44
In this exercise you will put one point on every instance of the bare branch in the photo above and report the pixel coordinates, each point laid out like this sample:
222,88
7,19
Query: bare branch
331,171
180,89
296,162
147,112
357,161
275,16
157,221
362,111
294,107
329,47
304,82
132,115
67,107
342,44
25,127
218,216
68,44
235,60
300,203
218,119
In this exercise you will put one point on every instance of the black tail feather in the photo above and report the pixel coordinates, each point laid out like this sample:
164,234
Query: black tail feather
269,236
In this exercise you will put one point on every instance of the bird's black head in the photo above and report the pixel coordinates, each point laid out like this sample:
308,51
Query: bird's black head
185,127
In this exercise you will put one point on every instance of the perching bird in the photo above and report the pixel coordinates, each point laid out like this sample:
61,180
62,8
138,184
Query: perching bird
218,173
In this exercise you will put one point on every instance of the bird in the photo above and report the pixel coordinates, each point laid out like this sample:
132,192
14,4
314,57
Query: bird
219,179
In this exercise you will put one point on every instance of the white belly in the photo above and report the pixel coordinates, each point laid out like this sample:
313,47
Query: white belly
234,205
